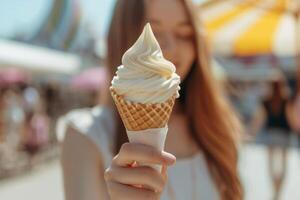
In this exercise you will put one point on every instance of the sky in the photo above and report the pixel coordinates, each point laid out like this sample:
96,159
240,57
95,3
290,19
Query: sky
16,15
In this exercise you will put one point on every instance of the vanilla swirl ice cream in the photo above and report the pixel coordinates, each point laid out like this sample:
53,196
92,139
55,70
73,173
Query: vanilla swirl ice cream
145,76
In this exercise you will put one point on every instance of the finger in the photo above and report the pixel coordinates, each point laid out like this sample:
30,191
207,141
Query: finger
146,154
118,191
139,176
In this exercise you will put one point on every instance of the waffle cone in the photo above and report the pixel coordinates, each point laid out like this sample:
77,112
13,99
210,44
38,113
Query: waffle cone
138,116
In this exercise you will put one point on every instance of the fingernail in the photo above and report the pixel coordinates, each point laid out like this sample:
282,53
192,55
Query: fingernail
169,158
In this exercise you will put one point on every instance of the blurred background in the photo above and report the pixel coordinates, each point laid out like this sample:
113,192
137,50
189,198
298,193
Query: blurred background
51,61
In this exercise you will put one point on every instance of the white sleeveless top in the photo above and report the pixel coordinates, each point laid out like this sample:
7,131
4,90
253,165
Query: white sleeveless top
188,179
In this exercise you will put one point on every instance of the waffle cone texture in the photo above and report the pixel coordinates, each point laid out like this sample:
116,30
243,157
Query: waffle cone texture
138,116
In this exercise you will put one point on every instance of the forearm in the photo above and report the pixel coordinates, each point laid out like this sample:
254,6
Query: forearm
82,169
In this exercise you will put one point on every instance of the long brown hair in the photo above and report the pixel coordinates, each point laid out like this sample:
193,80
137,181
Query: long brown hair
213,123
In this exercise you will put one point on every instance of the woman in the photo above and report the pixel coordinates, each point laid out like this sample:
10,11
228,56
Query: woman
36,131
202,121
2,106
275,114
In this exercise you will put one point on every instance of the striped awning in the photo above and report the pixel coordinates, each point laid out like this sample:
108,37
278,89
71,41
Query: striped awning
251,28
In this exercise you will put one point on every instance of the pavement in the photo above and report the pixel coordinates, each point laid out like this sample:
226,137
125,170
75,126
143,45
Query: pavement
255,176
42,183
45,182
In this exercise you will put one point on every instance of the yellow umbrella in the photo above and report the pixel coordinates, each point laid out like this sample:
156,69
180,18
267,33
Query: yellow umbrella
251,28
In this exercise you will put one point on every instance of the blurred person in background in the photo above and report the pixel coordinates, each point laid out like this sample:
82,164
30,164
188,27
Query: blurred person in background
13,121
2,133
203,129
295,116
274,115
31,98
36,127
14,116
36,132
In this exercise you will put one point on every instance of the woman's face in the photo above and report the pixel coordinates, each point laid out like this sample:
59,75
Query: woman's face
173,30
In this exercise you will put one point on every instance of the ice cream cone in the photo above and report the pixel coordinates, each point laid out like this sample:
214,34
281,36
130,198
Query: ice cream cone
138,116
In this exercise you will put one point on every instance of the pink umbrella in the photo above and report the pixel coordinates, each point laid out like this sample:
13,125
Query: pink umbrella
90,79
13,76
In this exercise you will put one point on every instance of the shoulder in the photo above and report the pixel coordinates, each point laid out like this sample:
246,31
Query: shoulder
87,121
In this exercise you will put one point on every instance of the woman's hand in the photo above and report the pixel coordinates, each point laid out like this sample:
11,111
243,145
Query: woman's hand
126,181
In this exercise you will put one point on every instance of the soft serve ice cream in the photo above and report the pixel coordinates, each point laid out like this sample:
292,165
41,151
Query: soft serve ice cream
144,91
145,76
